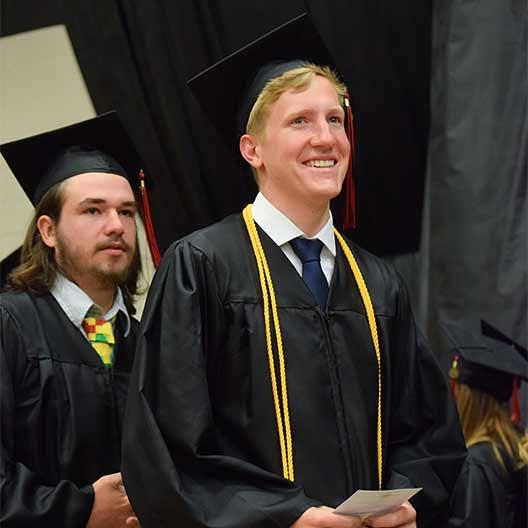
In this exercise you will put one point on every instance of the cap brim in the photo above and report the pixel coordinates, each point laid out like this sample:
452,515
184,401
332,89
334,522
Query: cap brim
493,332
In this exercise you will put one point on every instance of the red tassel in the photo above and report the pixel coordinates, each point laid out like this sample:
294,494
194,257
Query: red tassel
453,375
349,215
147,220
515,403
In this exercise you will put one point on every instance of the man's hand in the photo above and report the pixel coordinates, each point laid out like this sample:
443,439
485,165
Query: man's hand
111,507
324,517
403,517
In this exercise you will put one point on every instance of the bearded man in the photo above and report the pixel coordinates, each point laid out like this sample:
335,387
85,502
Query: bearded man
67,337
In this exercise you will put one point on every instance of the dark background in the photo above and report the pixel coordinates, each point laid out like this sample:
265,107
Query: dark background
439,97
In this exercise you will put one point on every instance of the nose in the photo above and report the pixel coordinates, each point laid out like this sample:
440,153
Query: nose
114,223
323,135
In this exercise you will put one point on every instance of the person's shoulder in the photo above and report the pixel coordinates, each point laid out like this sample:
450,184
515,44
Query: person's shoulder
483,455
220,237
379,274
480,452
18,315
16,301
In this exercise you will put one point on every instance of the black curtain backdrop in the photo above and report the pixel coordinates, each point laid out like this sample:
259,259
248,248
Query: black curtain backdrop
477,221
137,55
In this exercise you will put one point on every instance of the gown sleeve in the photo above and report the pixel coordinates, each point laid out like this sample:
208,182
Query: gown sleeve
173,470
426,446
25,499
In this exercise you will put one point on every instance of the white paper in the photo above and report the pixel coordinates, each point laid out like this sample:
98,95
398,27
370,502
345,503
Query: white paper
365,503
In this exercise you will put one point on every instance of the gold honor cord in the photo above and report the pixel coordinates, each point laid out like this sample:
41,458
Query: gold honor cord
365,296
268,296
266,284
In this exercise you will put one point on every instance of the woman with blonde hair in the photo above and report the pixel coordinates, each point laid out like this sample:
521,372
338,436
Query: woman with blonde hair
485,376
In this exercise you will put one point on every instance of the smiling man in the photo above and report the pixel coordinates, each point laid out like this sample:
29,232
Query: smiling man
279,368
67,337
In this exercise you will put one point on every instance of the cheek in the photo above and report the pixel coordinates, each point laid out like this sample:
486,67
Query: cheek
345,144
130,227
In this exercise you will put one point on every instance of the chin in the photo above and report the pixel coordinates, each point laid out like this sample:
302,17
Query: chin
328,193
112,274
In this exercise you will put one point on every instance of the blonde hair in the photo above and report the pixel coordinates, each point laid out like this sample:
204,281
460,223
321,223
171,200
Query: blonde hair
485,419
295,79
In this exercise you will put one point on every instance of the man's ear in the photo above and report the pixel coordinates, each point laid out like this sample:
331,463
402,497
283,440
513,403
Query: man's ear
47,230
250,150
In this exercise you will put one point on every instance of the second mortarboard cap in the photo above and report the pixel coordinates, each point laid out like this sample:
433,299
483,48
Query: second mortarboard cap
100,144
485,363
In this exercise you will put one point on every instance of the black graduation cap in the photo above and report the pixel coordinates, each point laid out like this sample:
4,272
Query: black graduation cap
228,89
100,144
492,331
486,363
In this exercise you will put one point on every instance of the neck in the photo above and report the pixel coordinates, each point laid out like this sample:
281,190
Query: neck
104,297
101,293
310,218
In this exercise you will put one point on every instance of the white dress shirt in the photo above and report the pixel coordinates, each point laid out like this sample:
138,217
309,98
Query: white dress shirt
281,230
75,303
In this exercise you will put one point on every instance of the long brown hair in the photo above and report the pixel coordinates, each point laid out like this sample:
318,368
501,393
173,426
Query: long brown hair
485,419
38,268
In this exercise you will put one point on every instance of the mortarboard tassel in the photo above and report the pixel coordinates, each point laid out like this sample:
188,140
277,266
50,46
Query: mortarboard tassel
349,215
515,404
147,220
453,375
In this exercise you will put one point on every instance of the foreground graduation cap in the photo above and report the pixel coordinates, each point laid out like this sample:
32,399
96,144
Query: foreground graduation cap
228,89
100,144
486,363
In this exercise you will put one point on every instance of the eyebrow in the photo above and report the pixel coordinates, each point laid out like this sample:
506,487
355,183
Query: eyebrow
99,201
309,110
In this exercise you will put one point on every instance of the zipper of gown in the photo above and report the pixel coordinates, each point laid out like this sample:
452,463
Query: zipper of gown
340,410
116,437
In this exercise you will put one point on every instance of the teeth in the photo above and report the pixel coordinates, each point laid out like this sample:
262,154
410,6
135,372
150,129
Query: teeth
320,163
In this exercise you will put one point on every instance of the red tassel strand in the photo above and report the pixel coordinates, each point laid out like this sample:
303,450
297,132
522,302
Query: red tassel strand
349,215
515,403
147,221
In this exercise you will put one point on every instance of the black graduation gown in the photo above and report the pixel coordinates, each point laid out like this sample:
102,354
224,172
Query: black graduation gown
61,413
489,495
200,444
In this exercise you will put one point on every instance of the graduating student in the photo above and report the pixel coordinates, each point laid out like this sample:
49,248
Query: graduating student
492,490
67,335
279,367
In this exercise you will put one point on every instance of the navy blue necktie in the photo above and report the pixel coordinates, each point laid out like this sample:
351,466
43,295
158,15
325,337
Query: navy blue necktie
309,251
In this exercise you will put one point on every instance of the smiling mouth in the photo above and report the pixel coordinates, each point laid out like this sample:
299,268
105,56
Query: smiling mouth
320,164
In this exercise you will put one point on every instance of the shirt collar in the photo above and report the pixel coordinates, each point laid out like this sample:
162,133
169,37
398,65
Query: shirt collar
281,229
75,303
